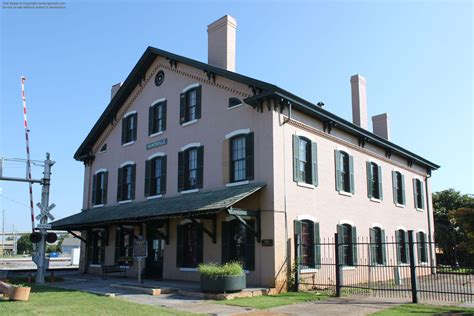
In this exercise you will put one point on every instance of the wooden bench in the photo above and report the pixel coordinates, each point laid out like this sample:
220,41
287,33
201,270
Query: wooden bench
113,269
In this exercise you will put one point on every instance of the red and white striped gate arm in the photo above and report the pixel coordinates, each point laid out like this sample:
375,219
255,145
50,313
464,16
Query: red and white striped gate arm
28,163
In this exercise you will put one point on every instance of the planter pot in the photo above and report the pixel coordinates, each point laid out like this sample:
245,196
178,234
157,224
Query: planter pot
223,284
19,293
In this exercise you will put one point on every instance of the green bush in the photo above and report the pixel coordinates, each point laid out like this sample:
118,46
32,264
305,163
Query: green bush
214,270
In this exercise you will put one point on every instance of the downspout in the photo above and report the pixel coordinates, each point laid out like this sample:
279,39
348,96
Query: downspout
430,237
287,254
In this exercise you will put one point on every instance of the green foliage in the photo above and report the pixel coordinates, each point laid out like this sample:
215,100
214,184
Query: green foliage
24,245
420,309
53,248
453,225
267,301
215,270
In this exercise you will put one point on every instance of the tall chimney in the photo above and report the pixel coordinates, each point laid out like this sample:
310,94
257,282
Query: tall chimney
114,90
221,43
381,125
359,101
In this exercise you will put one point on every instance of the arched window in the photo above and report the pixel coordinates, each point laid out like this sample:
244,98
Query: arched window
344,172
99,188
347,237
305,160
234,102
155,176
190,168
418,194
190,104
157,117
398,181
377,245
308,244
422,247
374,180
126,182
401,237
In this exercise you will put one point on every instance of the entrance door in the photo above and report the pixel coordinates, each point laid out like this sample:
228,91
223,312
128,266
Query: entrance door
154,261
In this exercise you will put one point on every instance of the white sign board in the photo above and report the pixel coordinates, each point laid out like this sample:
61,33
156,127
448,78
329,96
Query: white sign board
45,226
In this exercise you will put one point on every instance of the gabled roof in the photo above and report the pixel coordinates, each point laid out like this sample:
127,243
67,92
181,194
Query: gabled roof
266,89
186,205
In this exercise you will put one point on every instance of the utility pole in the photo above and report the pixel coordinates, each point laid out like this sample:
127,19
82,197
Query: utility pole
43,217
3,232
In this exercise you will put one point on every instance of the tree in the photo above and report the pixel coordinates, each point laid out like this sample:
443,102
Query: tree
24,245
449,233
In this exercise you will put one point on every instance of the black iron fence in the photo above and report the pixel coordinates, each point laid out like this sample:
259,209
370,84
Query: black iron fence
390,267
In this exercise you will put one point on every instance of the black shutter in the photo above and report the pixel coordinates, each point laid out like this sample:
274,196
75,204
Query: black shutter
373,246
200,167
231,160
225,242
296,159
133,170
119,184
317,246
182,108
124,130
179,245
163,114
340,240
147,177
314,163
337,159
200,243
398,245
180,171
198,102
104,192
354,245
151,119
249,156
250,247
135,121
94,189
297,233
370,183
163,176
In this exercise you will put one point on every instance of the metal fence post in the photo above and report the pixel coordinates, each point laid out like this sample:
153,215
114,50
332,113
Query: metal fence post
414,292
297,262
338,268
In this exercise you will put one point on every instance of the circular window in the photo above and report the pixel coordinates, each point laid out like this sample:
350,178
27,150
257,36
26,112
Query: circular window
160,77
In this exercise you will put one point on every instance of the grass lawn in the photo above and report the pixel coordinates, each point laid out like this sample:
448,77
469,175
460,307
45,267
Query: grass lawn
421,310
45,300
267,301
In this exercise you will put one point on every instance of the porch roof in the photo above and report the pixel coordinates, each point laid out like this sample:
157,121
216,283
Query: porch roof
185,205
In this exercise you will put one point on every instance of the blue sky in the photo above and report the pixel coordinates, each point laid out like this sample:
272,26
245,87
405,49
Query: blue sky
416,56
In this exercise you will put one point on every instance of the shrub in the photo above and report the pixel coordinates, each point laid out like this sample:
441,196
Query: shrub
214,270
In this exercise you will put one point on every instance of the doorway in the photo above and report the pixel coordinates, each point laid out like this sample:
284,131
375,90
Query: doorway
154,260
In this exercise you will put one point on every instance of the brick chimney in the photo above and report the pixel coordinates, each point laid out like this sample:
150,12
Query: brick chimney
359,101
114,90
381,125
221,43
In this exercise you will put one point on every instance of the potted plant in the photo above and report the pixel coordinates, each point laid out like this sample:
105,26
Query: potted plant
226,278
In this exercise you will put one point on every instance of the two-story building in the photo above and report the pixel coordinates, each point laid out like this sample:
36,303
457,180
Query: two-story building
213,166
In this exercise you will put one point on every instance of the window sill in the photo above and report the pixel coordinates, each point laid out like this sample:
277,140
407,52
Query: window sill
348,268
309,270
234,184
151,197
189,122
235,106
129,143
399,205
376,200
156,134
345,193
305,185
189,191
124,201
188,269
419,209
98,205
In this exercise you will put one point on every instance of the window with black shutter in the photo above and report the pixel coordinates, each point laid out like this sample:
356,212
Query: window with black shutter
191,168
129,128
377,246
189,245
398,183
126,183
422,247
238,243
374,180
347,235
308,244
242,157
344,172
418,194
190,105
305,160
155,176
157,118
99,188
401,237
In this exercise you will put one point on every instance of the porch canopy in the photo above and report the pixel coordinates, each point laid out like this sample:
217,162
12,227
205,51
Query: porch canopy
184,205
